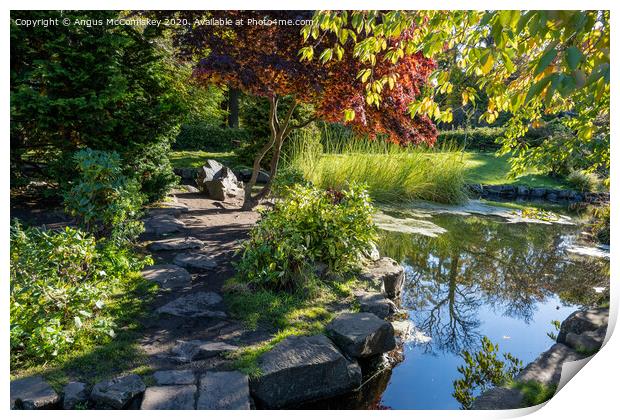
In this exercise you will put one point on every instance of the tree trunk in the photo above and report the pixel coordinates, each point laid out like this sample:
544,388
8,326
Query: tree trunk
233,108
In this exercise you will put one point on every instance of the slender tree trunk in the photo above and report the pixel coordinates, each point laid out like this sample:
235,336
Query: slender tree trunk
233,108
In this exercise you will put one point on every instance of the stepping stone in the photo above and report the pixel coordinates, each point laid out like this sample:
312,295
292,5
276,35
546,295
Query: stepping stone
190,188
176,244
587,342
161,224
499,398
582,321
547,368
187,351
194,305
375,303
172,209
32,393
224,391
386,274
168,276
361,334
74,393
174,397
118,392
300,369
174,377
195,260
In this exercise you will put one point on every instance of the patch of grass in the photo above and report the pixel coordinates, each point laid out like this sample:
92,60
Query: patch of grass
196,158
489,169
286,314
94,362
534,393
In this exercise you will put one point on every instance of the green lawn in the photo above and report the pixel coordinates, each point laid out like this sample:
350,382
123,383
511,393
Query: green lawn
196,158
486,168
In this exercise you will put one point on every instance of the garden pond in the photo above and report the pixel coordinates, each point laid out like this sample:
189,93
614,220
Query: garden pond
479,270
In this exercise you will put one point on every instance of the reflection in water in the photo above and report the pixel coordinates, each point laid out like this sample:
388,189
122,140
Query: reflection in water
483,277
509,268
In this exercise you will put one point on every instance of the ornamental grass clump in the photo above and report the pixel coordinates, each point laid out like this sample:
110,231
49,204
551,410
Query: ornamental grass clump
308,226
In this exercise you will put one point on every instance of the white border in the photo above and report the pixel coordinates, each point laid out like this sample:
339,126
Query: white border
591,394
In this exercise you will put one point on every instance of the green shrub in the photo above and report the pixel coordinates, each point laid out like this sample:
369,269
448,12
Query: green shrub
309,225
583,181
60,284
208,137
478,138
153,170
105,202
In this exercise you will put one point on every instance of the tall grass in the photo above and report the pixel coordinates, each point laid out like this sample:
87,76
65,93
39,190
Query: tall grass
393,174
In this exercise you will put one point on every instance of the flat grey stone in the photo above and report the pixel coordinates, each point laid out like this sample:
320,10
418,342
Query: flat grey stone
300,369
175,244
587,342
402,329
499,398
224,391
74,393
194,260
187,351
190,188
174,377
32,393
118,392
375,303
168,276
169,209
386,274
547,368
161,224
361,334
582,321
194,305
173,397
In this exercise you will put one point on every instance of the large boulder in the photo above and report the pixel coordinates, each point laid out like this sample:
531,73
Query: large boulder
375,303
361,334
224,391
547,368
387,274
33,393
301,369
587,342
173,397
583,320
218,181
118,392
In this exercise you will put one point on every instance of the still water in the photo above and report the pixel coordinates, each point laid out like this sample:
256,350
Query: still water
471,275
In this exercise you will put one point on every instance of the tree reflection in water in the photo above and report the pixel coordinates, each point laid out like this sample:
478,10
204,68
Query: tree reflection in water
483,261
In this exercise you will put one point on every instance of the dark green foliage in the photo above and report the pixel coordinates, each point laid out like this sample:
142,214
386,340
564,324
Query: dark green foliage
309,225
61,284
485,138
535,393
208,137
105,202
483,370
601,224
107,87
152,168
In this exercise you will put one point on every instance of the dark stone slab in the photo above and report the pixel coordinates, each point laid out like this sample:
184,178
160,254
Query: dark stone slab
118,392
301,369
224,391
583,320
499,399
168,276
195,260
194,305
74,393
387,274
361,334
587,342
547,368
174,377
33,393
187,351
161,224
173,397
175,244
375,303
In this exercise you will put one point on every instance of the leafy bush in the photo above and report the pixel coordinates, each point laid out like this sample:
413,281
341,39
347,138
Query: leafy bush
479,138
583,181
153,170
60,283
483,370
309,225
208,137
105,202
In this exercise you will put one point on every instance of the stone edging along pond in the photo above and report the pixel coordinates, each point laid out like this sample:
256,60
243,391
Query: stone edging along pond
503,192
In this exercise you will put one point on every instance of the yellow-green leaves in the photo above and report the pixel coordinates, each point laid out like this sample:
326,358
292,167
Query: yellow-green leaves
545,59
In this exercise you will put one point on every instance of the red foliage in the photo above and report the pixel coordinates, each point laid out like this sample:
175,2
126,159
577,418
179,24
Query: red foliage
264,61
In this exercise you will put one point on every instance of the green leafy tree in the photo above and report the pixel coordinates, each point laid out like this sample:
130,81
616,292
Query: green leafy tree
528,63
101,86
